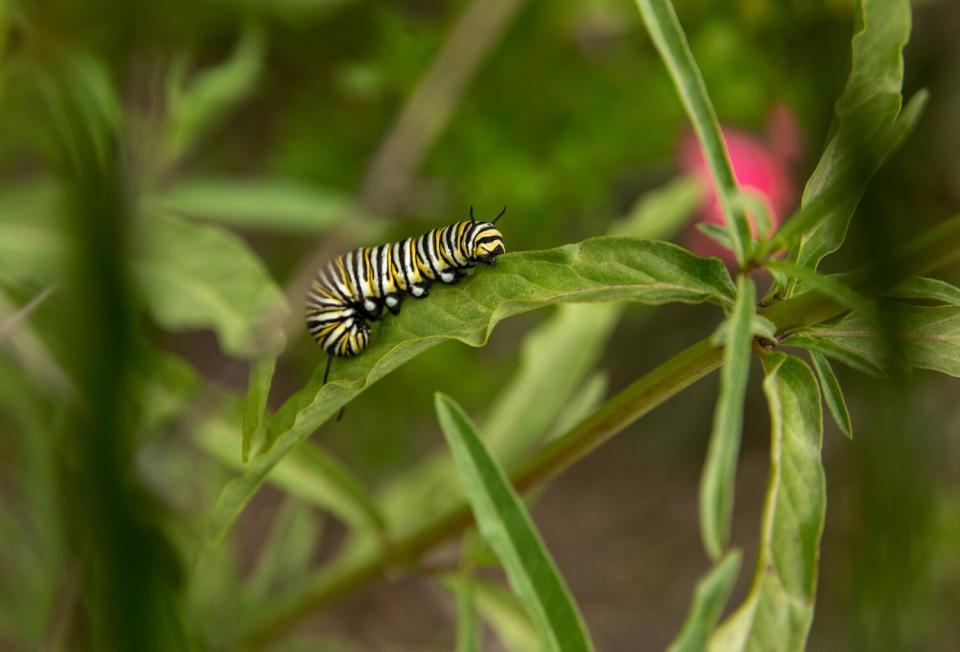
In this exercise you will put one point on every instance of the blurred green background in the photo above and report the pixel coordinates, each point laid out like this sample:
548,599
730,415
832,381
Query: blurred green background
259,135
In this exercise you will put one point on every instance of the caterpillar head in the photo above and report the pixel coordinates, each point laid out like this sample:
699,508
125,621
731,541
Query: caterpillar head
484,240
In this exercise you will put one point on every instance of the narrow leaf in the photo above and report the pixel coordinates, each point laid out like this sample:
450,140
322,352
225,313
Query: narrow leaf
278,205
828,285
286,554
258,389
308,473
506,616
848,356
778,611
666,33
709,599
504,523
927,289
864,119
200,276
197,107
468,634
596,270
716,233
928,335
832,393
720,467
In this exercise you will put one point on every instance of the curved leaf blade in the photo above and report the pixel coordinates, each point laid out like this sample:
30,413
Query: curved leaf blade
258,390
927,289
928,335
201,276
720,467
504,523
864,124
277,205
596,270
832,393
778,610
709,599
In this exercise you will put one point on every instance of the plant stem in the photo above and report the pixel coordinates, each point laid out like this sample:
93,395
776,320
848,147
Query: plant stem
365,561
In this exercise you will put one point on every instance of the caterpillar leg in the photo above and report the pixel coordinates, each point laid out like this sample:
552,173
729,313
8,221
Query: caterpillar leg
393,301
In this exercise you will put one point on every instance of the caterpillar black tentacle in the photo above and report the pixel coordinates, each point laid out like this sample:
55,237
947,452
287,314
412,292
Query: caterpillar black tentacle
354,288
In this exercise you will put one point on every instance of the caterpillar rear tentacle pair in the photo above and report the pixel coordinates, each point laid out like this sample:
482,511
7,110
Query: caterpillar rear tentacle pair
354,288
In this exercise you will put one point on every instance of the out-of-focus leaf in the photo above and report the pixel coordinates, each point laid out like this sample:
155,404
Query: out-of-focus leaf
195,108
832,393
717,233
927,289
258,389
720,467
507,618
778,610
261,204
709,598
667,35
929,335
504,523
864,120
828,285
32,241
308,473
285,556
468,634
584,401
596,270
200,276
662,212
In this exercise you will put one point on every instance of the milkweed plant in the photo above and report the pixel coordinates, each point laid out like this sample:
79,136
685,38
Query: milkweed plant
107,254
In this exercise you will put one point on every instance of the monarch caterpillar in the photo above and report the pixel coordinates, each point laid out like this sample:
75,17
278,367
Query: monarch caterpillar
353,289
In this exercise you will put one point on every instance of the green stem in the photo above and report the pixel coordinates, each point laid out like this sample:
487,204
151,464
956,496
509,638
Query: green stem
363,564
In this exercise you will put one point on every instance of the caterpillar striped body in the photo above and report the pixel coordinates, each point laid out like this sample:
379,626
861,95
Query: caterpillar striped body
354,288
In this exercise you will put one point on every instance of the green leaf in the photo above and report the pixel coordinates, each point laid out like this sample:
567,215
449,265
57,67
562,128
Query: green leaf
258,390
666,33
504,523
927,289
709,599
266,204
863,132
928,335
33,244
778,610
662,212
468,634
195,108
506,616
848,355
584,401
308,473
828,285
716,233
832,393
286,555
200,276
596,270
720,467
